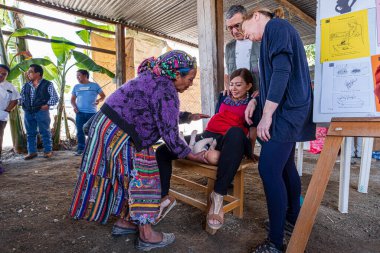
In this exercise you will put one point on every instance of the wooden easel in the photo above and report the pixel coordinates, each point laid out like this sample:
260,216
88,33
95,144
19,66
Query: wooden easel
339,128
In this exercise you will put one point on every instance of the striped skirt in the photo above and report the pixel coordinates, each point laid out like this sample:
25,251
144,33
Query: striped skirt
116,179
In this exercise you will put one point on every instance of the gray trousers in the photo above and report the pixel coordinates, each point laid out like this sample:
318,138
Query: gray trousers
2,127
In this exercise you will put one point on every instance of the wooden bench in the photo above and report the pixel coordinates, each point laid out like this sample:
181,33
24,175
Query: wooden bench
235,201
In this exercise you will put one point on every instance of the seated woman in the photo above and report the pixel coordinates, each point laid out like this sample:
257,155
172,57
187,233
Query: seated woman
228,127
119,173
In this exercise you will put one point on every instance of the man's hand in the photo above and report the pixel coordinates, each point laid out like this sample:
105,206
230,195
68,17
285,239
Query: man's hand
198,116
44,108
264,126
249,111
198,157
76,109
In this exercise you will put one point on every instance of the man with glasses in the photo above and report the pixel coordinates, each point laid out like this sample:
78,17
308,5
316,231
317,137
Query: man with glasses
36,97
240,52
8,101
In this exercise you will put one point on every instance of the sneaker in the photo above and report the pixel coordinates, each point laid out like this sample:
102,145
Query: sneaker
288,229
30,156
167,204
167,238
78,153
48,154
268,247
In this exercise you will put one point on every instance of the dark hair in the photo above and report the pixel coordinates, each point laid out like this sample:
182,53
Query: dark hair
234,9
37,69
246,75
84,72
277,13
5,67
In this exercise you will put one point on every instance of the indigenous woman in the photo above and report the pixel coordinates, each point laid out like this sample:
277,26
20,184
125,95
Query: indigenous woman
119,173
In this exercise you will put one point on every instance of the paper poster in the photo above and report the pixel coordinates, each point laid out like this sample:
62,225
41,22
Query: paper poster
332,8
347,86
375,59
345,37
378,21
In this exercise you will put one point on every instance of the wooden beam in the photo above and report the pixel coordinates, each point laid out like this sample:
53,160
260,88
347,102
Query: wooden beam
37,15
295,10
208,53
219,45
120,55
108,20
29,37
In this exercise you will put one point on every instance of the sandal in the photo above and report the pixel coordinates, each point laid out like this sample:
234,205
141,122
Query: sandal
217,200
167,238
167,204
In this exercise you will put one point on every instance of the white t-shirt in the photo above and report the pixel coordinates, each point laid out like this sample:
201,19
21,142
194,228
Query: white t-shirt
243,53
7,93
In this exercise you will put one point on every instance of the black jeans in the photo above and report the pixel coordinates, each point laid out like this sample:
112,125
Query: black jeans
232,146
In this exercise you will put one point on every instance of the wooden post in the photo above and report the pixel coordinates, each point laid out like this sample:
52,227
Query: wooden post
210,40
300,158
339,128
120,55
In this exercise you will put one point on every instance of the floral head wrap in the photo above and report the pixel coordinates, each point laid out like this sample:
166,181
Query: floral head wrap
169,63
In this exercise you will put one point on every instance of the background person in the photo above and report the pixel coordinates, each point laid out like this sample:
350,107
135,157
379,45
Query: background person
285,108
240,52
84,100
37,96
8,100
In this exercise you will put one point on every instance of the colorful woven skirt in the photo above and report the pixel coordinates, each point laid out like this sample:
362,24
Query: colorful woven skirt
116,179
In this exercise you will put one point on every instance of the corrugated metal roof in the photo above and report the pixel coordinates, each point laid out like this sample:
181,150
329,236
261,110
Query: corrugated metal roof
175,18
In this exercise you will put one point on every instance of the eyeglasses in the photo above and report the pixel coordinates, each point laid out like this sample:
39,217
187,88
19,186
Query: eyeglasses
236,26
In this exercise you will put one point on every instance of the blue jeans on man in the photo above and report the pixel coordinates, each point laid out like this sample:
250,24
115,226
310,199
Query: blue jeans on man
80,120
40,119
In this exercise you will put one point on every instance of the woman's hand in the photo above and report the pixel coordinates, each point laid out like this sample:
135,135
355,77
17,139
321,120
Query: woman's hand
249,111
264,126
198,116
198,157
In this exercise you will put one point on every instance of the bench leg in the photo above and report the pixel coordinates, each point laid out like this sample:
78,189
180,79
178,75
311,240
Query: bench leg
239,193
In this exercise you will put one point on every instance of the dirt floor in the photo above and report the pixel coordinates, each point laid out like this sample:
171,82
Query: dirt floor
35,197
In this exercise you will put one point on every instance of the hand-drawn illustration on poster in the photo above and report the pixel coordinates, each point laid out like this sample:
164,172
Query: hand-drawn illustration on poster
347,86
345,37
333,8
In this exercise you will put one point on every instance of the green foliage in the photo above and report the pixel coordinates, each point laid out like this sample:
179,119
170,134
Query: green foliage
89,23
310,54
62,48
85,36
85,62
26,31
50,70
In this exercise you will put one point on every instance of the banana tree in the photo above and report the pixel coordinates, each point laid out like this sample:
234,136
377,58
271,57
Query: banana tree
67,58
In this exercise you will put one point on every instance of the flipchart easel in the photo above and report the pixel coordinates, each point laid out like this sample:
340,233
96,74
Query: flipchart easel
340,129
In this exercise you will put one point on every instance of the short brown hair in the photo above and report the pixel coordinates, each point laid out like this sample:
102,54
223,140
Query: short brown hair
245,74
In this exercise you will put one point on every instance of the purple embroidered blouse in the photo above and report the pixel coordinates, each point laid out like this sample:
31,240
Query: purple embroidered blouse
147,108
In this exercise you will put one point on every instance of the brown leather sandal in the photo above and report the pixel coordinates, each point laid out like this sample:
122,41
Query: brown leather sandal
217,200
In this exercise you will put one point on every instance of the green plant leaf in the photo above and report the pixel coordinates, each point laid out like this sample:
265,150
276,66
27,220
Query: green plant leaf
84,35
26,31
61,48
85,62
88,23
49,68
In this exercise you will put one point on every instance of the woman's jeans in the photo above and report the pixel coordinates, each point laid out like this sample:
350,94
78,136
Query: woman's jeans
80,120
40,119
